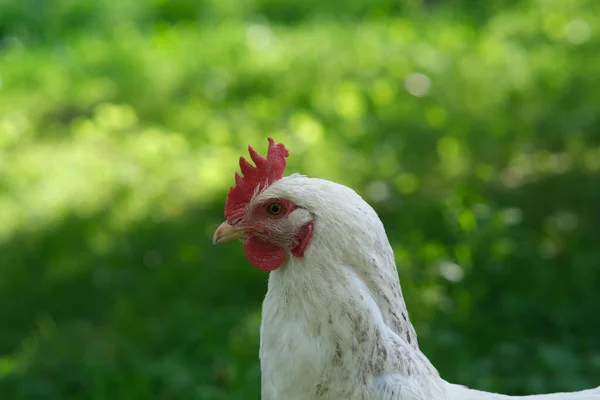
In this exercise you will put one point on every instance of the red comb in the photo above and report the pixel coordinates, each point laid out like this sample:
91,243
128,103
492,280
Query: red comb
255,179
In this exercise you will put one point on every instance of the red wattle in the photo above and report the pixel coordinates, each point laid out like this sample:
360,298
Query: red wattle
264,256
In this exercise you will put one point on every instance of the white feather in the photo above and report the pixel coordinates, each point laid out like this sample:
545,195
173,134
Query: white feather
334,323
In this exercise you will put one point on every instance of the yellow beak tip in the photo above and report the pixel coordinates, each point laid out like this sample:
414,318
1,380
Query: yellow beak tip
226,232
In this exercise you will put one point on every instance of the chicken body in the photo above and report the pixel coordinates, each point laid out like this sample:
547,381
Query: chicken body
335,324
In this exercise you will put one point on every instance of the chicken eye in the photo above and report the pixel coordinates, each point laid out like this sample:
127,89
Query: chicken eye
275,208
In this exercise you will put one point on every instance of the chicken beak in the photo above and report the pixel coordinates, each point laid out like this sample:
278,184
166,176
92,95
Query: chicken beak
226,232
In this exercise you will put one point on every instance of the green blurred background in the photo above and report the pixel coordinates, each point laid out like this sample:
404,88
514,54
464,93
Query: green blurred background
473,127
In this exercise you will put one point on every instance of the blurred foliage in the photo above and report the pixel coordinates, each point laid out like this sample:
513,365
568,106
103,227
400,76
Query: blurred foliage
472,127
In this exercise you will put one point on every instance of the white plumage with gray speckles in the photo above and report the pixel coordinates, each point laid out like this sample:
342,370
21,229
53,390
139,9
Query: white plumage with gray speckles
334,323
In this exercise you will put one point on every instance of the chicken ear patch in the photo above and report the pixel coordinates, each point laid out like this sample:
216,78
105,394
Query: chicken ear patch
303,236
255,178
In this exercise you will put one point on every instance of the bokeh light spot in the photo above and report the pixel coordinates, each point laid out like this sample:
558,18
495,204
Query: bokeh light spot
417,84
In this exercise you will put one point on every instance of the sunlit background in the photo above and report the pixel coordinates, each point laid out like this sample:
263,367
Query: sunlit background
473,127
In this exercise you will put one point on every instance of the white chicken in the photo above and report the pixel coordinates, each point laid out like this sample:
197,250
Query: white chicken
334,322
